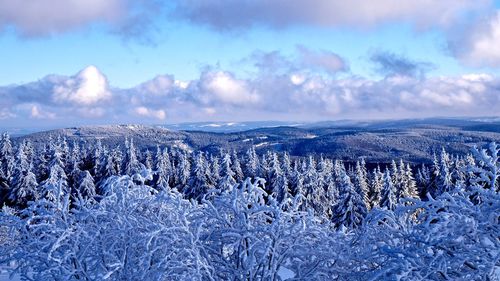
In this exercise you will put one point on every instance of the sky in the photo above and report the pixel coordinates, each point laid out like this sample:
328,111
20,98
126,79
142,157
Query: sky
82,62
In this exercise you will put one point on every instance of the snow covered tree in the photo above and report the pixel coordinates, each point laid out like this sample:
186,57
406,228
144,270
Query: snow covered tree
286,165
423,181
183,171
444,178
163,169
310,178
361,182
23,183
409,186
86,187
55,187
251,163
200,181
132,164
376,188
236,167
227,180
388,197
6,158
214,168
350,209
148,160
486,172
275,174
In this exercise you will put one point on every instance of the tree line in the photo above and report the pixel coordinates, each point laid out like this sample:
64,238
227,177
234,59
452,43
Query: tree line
93,212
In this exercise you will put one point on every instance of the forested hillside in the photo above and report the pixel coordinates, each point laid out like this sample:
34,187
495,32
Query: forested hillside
91,211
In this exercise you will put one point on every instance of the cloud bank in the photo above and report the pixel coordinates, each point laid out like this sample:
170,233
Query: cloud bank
477,27
277,90
236,14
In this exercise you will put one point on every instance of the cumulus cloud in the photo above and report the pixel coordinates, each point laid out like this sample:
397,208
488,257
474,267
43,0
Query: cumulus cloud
304,60
234,14
88,87
6,114
222,87
387,63
222,95
38,113
478,44
150,113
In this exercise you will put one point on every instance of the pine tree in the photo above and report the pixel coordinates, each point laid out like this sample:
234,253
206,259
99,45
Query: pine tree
444,179
286,165
236,167
132,164
388,198
409,186
23,183
21,167
215,169
86,187
251,163
350,209
200,181
183,171
423,181
163,169
227,180
6,158
310,177
148,160
55,187
486,172
376,187
275,174
361,182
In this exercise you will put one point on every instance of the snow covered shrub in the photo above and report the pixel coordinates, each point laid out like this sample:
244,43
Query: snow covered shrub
452,239
129,235
246,235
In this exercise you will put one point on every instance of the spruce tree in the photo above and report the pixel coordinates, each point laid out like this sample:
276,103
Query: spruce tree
388,198
350,209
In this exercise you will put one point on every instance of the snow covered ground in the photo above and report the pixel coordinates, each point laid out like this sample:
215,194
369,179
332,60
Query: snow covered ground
4,275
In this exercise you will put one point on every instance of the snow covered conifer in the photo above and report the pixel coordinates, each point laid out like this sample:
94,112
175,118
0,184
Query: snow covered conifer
361,182
388,198
486,172
236,167
376,187
350,209
55,187
86,187
163,169
227,180
251,163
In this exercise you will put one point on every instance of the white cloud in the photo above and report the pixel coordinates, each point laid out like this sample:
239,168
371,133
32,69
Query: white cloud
225,88
479,46
43,17
6,114
38,113
231,14
88,87
221,95
150,113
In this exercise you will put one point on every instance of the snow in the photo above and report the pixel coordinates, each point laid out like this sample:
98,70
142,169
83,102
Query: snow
4,275
285,273
261,144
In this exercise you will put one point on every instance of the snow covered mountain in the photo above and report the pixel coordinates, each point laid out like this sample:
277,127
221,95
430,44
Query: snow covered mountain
411,140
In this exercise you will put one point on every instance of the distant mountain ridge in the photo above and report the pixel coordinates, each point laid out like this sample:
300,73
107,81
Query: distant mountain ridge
380,141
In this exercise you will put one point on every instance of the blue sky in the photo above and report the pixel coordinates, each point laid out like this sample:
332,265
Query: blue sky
144,62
